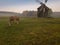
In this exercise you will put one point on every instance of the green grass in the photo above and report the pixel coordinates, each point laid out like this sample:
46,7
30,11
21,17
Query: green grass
30,31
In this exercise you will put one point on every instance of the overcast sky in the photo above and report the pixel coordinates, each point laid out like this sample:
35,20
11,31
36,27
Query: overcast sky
21,5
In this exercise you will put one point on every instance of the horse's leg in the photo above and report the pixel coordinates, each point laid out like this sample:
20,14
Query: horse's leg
17,20
9,23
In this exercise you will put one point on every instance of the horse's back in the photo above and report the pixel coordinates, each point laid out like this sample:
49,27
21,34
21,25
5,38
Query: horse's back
11,18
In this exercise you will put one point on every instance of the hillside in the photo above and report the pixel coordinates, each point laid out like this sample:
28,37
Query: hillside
56,14
27,14
5,13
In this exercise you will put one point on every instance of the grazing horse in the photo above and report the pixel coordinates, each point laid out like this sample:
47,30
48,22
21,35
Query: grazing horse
13,19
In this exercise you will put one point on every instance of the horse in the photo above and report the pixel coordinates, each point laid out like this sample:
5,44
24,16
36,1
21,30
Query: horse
13,19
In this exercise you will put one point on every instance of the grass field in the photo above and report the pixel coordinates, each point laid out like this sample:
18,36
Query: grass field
30,31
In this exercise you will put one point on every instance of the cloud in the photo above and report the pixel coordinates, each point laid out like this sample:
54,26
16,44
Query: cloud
54,5
21,5
19,8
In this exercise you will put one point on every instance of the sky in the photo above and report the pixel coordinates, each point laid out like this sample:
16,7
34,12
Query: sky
23,5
